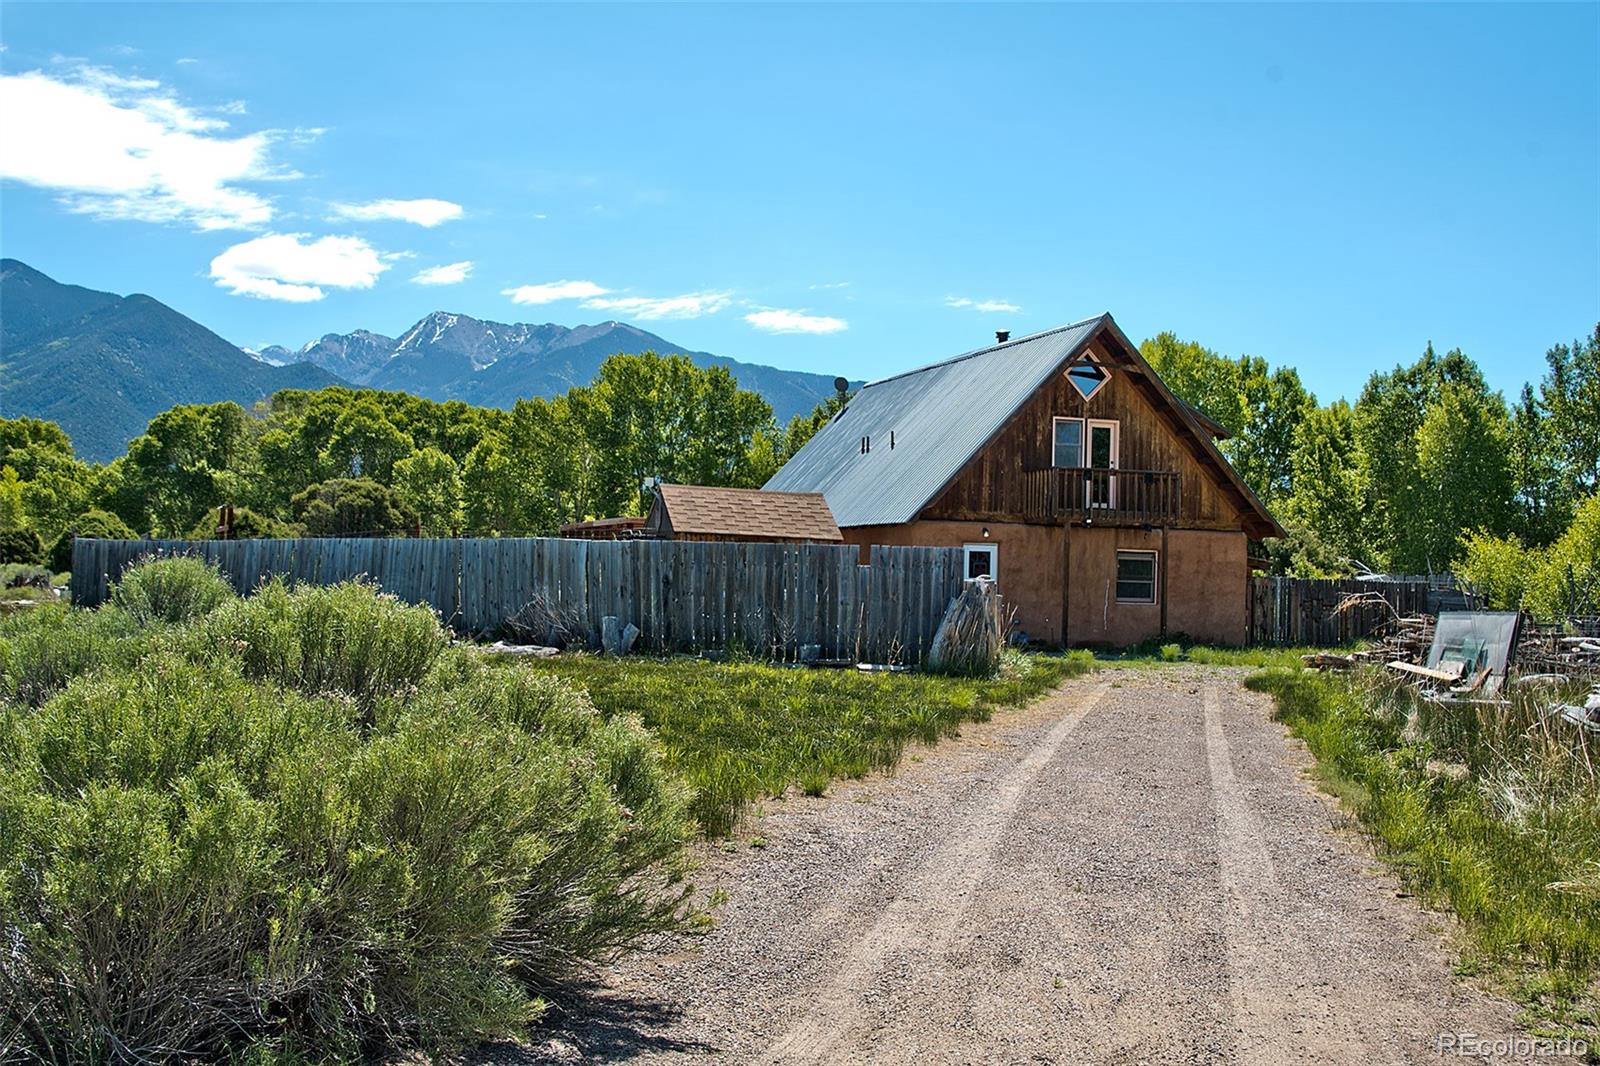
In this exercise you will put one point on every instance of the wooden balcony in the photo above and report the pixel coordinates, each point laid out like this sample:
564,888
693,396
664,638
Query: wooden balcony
1102,497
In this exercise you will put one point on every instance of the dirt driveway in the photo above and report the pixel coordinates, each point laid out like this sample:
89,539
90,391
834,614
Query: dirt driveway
1135,870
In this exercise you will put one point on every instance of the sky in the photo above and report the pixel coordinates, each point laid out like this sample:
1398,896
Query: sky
848,190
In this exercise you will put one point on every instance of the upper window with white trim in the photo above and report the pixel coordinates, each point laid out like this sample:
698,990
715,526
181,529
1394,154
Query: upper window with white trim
1066,449
1088,376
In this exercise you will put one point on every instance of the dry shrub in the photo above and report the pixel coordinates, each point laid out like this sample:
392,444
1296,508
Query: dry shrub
219,848
546,622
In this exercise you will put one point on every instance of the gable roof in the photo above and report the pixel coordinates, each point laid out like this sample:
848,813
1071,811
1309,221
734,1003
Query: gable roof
926,424
940,416
752,513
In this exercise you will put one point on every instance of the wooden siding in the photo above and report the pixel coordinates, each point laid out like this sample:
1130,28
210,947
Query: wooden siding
1299,611
685,596
989,487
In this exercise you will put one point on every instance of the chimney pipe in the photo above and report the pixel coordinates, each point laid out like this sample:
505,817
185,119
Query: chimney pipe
1002,335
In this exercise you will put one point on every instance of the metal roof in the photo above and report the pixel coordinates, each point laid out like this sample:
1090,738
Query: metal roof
923,425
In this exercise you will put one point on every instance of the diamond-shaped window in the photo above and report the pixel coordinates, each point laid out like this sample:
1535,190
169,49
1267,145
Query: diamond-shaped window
1088,377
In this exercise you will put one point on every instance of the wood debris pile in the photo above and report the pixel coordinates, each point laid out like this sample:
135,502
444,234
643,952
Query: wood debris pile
1549,650
973,632
1469,656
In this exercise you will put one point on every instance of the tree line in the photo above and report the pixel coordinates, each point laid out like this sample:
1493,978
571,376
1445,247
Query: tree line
1427,470
349,462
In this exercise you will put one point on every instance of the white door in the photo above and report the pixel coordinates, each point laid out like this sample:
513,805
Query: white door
1102,458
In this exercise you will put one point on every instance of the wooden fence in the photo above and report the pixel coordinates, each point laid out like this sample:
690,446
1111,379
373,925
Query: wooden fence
683,595
1297,610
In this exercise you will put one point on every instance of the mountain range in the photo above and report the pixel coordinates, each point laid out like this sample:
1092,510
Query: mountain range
450,356
103,365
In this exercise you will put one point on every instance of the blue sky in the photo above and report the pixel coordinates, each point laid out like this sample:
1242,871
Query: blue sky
841,189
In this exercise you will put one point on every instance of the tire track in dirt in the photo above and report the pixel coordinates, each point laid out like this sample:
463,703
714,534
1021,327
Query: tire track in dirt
1142,875
927,914
1267,957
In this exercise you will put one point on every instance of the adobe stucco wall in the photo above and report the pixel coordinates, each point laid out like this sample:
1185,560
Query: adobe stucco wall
1205,575
1208,580
1094,615
1029,562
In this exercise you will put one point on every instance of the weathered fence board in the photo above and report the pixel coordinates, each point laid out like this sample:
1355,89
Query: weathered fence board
1302,611
683,595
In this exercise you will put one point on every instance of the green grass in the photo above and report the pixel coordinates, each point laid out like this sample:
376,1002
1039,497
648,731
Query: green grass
740,731
1259,658
1493,812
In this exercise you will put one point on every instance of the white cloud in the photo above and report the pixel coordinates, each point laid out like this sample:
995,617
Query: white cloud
689,305
829,285
291,267
185,61
126,148
551,291
449,274
980,305
598,298
425,212
779,320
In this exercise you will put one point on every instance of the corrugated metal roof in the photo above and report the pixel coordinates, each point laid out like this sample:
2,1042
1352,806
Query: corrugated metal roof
938,416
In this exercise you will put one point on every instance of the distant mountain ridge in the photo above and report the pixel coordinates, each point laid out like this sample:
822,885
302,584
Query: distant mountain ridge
102,365
449,356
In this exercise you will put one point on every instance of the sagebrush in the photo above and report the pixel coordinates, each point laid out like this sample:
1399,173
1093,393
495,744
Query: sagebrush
301,824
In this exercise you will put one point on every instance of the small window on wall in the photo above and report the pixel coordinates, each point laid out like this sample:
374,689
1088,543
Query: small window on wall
982,560
1067,450
1136,577
1088,377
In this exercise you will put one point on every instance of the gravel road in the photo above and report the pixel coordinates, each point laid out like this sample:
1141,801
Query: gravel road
1134,870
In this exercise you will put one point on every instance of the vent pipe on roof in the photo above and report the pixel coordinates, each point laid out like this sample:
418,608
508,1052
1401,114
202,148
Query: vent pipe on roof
1002,335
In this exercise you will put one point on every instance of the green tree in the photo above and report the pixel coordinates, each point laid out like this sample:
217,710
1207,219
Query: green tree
1463,479
662,416
492,502
1498,567
1199,377
55,484
173,472
100,525
1540,503
429,484
1388,415
352,507
21,546
1258,406
1571,396
1326,500
1275,404
12,514
365,443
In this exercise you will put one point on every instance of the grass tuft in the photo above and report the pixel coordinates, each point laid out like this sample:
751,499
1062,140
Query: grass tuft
1491,811
739,731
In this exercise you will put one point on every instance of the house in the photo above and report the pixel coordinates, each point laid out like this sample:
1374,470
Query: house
1066,471
703,512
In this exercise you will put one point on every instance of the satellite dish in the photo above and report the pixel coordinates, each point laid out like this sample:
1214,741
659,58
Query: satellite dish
841,384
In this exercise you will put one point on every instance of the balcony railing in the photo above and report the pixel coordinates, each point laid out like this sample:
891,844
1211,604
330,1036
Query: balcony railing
1112,497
